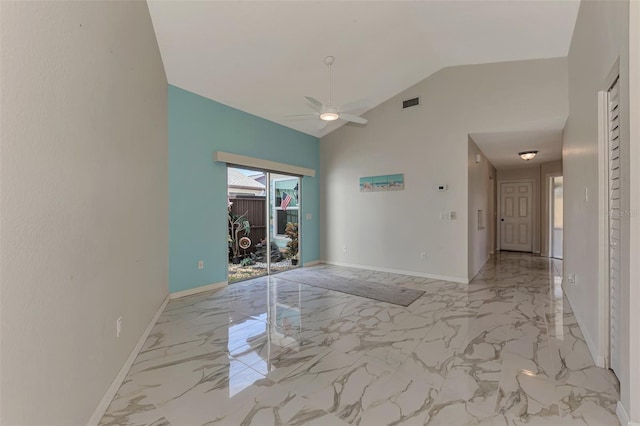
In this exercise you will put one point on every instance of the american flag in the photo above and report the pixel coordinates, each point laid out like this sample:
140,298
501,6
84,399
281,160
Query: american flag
285,201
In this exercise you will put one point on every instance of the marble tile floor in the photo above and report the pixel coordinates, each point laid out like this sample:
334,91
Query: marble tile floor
503,350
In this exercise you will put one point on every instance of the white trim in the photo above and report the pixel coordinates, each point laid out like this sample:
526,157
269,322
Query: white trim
598,359
623,417
259,163
269,225
547,208
603,228
604,350
399,271
312,263
634,204
201,289
122,374
480,269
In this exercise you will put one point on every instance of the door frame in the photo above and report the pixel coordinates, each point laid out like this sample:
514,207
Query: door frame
603,358
272,210
499,210
548,211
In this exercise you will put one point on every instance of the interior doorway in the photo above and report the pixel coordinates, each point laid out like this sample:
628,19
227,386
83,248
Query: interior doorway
556,230
262,221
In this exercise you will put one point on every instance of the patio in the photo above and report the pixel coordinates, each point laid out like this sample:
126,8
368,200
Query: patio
241,273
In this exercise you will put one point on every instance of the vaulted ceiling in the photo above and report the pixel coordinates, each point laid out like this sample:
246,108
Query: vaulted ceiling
263,57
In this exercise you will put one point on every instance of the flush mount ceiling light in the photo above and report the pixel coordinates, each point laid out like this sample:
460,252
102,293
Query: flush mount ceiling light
527,155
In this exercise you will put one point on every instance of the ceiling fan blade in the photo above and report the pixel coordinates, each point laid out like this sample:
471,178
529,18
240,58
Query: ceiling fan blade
353,118
308,114
351,106
314,102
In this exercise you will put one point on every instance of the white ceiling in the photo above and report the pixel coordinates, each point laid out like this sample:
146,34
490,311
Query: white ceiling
501,148
264,57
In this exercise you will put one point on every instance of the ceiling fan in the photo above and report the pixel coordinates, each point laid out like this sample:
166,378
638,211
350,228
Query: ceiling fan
330,112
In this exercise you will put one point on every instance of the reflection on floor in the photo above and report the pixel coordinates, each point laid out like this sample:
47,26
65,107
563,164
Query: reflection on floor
505,349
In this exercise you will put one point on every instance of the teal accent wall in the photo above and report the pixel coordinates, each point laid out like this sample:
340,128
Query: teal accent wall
197,185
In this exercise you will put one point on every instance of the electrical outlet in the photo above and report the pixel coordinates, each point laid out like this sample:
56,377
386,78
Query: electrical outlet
423,256
344,248
118,326
200,264
452,215
308,216
571,279
444,215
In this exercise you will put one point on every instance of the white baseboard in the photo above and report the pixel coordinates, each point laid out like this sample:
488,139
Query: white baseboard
480,268
597,357
312,263
623,416
399,271
202,289
117,382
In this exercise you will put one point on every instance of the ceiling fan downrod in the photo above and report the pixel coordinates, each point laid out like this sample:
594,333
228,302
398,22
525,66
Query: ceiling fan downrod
329,61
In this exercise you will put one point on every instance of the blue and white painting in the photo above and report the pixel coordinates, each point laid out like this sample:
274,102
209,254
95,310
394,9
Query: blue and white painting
382,183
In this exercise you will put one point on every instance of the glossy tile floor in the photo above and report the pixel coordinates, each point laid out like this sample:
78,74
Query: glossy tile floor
504,349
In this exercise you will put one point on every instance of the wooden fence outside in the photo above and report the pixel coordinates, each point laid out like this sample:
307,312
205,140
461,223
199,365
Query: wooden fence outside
255,206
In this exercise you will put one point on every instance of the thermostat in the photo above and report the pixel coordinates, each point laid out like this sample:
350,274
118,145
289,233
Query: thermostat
441,188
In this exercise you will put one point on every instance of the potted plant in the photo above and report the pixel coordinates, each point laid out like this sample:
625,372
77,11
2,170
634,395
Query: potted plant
238,227
291,231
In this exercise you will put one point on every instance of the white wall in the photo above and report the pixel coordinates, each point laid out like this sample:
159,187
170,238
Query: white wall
429,144
482,177
84,201
600,38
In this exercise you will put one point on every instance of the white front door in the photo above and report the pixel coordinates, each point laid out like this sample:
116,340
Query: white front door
516,216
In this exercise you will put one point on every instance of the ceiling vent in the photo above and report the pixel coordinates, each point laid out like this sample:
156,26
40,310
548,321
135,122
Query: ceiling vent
410,103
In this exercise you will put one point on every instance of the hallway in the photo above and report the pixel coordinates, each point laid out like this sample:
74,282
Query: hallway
505,349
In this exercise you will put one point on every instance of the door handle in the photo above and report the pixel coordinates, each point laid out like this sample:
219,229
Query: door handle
502,220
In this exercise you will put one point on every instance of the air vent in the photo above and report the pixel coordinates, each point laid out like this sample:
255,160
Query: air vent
410,103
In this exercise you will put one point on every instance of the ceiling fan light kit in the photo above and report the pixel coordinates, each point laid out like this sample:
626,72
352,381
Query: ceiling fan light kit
329,116
331,112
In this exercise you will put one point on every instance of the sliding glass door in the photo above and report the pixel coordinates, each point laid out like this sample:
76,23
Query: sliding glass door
263,222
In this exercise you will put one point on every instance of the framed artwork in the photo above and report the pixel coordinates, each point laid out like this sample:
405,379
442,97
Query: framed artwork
382,183
366,184
395,182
